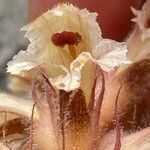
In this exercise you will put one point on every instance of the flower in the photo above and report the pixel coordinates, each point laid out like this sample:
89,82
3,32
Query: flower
56,66
138,42
66,48
69,66
75,81
143,19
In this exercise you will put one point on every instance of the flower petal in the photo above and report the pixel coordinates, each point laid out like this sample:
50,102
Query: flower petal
64,17
24,61
21,107
80,75
143,19
42,51
27,60
110,54
72,78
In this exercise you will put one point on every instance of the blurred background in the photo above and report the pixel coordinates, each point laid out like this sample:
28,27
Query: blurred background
13,16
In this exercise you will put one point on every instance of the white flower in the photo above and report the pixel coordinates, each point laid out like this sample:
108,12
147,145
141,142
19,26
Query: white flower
69,66
143,19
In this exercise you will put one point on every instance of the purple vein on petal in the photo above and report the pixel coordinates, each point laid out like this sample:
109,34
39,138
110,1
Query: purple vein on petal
34,94
64,98
97,103
52,97
32,127
118,128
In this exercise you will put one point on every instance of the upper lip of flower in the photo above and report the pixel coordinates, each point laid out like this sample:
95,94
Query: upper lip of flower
65,72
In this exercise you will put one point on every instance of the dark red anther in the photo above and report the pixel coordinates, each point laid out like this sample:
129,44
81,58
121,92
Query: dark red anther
66,37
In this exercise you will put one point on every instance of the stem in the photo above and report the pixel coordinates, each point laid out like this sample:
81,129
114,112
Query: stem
72,51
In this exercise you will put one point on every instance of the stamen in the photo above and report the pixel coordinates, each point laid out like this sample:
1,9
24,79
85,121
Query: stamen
67,38
72,51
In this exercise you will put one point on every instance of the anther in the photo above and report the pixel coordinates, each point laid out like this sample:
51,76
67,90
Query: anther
67,38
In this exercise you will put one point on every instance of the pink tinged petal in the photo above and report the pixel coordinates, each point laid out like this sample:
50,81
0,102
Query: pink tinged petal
110,54
44,134
107,111
15,105
143,20
97,100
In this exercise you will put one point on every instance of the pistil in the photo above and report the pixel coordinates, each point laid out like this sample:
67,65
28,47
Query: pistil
72,51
